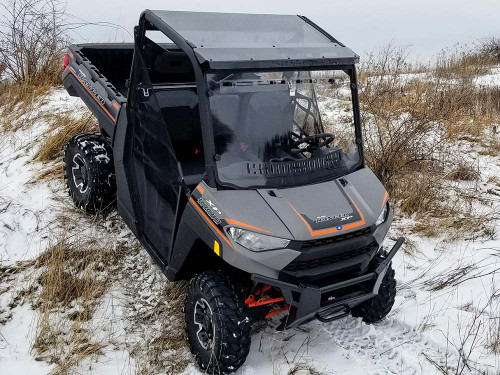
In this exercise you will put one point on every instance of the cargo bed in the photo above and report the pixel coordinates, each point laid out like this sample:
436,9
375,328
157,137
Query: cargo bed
98,73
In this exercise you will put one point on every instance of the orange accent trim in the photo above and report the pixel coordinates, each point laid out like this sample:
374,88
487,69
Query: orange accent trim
210,222
236,222
284,308
385,199
200,189
71,54
116,105
251,302
90,92
321,232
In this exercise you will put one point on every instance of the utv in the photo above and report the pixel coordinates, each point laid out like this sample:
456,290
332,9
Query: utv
232,145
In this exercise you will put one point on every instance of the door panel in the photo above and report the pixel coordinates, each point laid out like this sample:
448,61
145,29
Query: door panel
154,170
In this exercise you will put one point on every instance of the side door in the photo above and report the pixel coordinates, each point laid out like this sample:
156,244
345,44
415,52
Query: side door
152,166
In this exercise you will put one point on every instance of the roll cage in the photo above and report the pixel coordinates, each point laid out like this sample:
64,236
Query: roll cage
318,51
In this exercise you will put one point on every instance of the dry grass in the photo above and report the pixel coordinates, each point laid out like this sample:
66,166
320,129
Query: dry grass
62,128
70,280
21,104
463,172
153,356
464,62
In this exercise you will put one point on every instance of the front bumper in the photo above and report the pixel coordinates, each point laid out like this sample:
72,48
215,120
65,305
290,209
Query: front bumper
333,301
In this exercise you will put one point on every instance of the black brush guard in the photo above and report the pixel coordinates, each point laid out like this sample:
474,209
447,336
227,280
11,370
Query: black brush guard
308,302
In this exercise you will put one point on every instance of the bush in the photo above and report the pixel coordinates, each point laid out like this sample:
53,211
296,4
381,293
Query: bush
32,41
412,118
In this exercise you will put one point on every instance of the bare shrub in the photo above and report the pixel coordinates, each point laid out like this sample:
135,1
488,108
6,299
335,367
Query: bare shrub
491,46
403,145
32,40
410,119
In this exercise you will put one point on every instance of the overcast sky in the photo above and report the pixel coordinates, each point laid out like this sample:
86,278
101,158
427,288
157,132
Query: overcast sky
426,26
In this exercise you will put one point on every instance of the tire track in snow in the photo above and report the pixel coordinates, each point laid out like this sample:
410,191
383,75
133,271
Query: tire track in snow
390,347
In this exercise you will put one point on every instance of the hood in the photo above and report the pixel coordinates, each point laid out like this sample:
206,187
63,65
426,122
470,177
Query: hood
307,212
323,210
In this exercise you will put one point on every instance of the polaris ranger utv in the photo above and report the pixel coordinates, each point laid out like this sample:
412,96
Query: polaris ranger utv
233,146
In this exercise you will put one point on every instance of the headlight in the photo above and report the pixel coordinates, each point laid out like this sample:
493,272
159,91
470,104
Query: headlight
383,214
256,241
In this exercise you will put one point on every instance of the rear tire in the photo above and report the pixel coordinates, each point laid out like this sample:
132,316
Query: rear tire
377,308
217,325
89,172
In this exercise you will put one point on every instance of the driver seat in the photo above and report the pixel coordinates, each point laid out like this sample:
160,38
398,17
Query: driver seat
269,116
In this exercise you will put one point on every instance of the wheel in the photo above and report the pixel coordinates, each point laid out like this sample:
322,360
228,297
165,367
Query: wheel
217,326
379,306
89,172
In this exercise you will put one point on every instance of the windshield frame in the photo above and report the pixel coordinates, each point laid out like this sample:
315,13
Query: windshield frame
350,70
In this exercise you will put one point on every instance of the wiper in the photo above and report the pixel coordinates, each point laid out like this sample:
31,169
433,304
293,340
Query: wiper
283,159
253,82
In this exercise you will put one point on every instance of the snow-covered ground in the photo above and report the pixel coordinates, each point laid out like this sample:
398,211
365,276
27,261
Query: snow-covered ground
446,308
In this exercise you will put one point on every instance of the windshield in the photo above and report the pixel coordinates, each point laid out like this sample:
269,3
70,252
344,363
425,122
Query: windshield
277,129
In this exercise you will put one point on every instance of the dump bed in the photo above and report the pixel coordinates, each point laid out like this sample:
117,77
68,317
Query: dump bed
98,74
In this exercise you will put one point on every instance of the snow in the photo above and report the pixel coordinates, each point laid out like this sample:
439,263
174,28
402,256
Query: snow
426,325
25,207
489,80
15,355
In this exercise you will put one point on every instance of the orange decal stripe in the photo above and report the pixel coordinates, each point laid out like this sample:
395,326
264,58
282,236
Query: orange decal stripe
200,189
210,222
301,218
385,199
116,105
236,222
98,102
321,232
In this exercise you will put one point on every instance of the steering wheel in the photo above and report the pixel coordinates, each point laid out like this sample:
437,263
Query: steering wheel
314,142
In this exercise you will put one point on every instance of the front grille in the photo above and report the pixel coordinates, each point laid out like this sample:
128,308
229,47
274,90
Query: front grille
335,239
301,265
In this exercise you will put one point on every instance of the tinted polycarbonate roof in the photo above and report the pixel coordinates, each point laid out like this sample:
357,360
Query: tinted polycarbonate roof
219,38
205,29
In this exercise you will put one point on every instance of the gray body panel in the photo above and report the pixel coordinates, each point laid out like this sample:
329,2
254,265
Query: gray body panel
285,215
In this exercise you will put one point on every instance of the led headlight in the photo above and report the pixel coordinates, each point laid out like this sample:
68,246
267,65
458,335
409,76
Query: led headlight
383,214
256,241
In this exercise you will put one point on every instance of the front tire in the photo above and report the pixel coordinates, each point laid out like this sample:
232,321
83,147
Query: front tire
377,308
89,172
217,325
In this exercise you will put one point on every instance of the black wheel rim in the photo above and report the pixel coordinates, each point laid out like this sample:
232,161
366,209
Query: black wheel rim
203,319
80,173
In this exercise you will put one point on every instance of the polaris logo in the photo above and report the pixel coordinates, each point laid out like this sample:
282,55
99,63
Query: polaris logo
341,217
